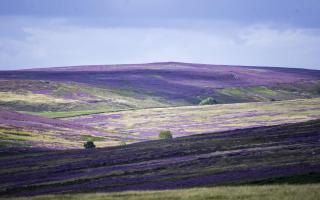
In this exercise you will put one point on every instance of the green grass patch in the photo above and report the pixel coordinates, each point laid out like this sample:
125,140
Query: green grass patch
262,90
66,114
92,138
15,132
14,135
283,192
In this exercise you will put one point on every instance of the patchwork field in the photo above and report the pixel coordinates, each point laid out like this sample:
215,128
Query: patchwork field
27,131
124,87
65,99
118,128
266,155
181,121
59,100
238,132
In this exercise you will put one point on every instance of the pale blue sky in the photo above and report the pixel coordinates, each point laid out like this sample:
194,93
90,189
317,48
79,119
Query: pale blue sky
44,33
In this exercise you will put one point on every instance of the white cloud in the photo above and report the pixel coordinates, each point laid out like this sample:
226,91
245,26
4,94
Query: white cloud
62,44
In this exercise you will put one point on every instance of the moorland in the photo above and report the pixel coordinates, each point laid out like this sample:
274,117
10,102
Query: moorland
238,132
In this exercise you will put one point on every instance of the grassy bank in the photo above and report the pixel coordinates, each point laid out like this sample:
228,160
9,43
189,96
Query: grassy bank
283,192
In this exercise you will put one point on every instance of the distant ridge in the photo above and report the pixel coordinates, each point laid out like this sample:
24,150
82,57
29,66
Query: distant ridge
152,65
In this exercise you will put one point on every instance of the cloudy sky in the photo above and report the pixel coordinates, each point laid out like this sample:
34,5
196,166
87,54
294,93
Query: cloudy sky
44,33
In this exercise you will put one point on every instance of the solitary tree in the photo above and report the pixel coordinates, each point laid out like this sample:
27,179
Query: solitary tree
89,145
165,134
208,101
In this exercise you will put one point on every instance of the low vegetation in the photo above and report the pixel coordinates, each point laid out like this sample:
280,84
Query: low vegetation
268,192
239,132
165,134
92,138
283,154
208,101
89,145
146,124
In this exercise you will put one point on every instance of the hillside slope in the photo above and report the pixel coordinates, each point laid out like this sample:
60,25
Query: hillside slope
26,131
108,129
157,85
187,120
232,157
40,96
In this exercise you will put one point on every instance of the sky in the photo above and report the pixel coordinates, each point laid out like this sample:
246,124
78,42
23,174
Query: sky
47,33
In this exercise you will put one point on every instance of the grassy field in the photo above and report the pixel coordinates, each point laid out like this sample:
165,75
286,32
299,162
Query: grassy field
56,99
188,120
67,114
274,192
65,99
117,128
24,130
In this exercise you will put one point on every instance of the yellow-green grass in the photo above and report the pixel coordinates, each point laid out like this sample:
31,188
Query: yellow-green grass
75,97
250,91
53,138
212,118
267,192
47,139
65,114
30,97
181,121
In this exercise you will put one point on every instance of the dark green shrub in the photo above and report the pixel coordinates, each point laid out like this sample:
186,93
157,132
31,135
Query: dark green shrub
208,101
89,145
165,134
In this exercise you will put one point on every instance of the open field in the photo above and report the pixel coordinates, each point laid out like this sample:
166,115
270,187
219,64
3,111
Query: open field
275,192
54,97
27,131
181,121
24,130
289,152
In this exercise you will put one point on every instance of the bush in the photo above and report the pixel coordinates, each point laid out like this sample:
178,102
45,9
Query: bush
165,135
89,145
208,101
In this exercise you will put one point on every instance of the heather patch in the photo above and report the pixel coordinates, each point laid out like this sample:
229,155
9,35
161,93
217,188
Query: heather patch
182,121
274,154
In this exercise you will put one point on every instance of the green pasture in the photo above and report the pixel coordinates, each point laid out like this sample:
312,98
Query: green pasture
266,192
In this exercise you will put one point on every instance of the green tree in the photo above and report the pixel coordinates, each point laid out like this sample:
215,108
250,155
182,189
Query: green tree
165,134
208,101
89,145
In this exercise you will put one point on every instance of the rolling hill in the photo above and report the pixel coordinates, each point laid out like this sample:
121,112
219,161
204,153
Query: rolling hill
232,126
24,131
188,120
108,88
273,155
116,128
